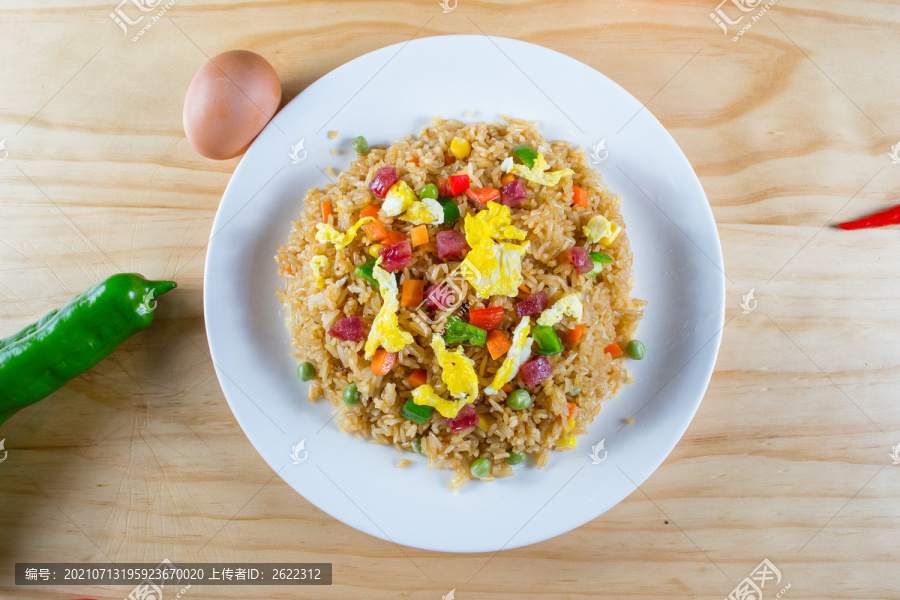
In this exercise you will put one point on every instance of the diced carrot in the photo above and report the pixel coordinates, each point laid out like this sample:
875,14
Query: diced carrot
414,160
326,210
370,211
392,237
576,332
417,378
524,289
613,350
507,178
486,318
579,197
497,343
383,361
506,388
413,292
572,406
418,235
375,230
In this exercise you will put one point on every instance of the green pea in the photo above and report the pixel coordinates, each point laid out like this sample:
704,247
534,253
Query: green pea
416,444
518,400
306,371
360,145
429,191
480,467
635,350
515,458
350,395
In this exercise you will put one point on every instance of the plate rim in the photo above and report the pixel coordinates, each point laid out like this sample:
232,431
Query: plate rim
708,367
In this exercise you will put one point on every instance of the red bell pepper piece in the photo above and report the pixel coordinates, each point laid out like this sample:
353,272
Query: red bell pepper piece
483,195
486,318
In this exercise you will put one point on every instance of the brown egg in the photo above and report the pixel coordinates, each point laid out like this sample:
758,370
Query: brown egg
229,101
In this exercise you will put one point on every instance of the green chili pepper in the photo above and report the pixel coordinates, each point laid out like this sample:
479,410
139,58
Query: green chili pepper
451,210
364,271
526,154
416,413
68,341
547,341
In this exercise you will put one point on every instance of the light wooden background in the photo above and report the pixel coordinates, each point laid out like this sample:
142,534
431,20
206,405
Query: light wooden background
140,459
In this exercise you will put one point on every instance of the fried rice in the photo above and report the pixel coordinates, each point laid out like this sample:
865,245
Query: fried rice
583,374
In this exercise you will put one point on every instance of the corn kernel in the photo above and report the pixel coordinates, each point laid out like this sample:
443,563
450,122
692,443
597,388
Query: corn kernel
567,441
483,423
460,148
570,423
374,249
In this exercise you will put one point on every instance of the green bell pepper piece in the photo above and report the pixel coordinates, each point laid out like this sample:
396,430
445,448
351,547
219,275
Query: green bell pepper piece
364,271
547,341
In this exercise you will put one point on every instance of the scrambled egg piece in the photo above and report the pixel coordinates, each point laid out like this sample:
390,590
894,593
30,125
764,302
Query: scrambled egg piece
399,198
457,371
538,173
517,355
493,268
424,395
386,330
600,229
426,212
327,233
317,263
402,199
570,304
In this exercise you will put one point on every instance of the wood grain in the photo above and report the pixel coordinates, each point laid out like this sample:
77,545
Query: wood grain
789,129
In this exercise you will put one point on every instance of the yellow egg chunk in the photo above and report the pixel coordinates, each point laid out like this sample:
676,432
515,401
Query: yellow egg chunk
386,330
317,263
516,356
457,371
570,305
536,174
493,268
426,212
424,395
327,233
400,197
601,230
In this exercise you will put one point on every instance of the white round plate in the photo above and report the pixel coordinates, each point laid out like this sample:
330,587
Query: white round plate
386,95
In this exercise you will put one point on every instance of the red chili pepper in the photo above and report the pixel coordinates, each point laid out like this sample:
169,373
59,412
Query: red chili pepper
890,216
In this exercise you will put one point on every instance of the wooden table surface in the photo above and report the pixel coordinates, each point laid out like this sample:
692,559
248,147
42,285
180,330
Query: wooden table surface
789,127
